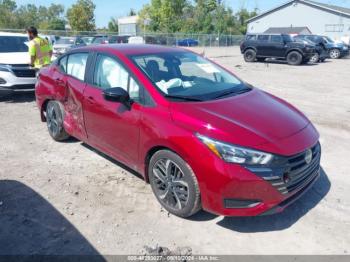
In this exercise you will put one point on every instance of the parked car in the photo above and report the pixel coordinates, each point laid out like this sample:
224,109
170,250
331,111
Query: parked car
15,71
336,50
136,40
202,137
278,46
187,42
118,39
64,44
322,51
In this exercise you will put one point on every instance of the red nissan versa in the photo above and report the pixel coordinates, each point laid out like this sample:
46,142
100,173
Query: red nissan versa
199,135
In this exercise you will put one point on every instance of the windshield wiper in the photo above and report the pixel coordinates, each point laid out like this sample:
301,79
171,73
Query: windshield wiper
186,98
223,94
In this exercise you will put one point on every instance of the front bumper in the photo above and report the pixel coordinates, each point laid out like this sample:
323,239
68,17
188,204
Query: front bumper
10,82
234,190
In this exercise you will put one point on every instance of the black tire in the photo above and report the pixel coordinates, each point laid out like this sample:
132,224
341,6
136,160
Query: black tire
315,58
261,59
294,58
174,184
334,53
54,120
249,55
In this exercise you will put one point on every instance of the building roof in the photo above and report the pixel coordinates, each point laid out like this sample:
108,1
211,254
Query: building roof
287,30
325,7
128,20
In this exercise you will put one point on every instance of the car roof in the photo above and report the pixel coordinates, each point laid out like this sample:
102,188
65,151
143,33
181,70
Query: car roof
12,34
131,49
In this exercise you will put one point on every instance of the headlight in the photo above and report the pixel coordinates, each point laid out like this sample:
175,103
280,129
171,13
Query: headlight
4,68
236,154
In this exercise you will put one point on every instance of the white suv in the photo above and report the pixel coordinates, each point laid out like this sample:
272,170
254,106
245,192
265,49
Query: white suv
15,72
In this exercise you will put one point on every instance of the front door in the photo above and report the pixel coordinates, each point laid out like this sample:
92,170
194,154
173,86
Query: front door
112,127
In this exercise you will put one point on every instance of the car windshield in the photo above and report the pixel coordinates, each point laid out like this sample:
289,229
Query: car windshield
65,41
13,44
187,76
329,40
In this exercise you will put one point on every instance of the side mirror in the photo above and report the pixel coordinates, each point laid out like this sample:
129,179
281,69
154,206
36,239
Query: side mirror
119,95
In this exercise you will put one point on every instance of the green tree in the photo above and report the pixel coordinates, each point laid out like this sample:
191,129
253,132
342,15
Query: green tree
242,16
163,15
113,25
7,7
81,16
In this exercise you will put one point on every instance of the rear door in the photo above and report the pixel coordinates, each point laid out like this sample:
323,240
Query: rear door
263,45
71,81
112,127
277,46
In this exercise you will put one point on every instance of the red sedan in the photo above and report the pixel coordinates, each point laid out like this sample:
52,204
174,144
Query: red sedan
199,135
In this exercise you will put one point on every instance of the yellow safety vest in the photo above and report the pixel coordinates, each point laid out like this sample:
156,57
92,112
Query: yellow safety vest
40,48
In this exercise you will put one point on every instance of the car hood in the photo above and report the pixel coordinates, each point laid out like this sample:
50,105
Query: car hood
14,58
249,119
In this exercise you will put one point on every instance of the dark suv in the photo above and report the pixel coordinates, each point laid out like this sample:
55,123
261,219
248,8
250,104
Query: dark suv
278,46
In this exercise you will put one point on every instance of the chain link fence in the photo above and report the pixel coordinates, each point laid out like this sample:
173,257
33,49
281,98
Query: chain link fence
169,39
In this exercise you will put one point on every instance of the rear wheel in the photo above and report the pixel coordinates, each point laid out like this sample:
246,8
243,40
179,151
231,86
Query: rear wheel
174,184
54,120
249,55
334,53
294,58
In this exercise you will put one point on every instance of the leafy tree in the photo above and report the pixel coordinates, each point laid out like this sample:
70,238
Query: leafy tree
242,16
164,15
81,16
7,7
113,25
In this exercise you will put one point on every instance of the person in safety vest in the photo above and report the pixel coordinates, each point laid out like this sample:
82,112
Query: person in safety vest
40,50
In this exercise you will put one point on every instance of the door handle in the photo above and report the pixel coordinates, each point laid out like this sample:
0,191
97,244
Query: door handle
91,100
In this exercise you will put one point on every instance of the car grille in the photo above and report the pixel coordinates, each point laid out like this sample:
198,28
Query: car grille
298,173
24,72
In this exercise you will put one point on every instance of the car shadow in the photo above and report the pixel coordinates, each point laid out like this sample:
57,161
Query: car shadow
30,225
280,62
18,97
282,220
113,161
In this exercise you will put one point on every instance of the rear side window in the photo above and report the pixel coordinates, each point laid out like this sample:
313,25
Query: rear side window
263,38
250,37
63,64
276,38
76,65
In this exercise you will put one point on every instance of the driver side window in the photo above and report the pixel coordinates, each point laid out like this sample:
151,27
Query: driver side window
109,73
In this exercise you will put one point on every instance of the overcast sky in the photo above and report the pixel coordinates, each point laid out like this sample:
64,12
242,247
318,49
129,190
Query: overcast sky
105,9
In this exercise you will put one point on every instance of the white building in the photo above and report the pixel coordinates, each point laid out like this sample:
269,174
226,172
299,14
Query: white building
128,25
319,18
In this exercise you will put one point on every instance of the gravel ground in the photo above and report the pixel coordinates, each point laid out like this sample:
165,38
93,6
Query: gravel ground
65,198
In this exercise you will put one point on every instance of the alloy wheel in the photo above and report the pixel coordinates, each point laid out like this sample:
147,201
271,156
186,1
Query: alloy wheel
171,187
52,121
334,53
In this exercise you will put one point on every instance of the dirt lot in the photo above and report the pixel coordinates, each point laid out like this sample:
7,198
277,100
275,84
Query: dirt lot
64,198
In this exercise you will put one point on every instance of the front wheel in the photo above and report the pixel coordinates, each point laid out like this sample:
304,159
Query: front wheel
334,53
54,120
315,58
174,184
294,58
